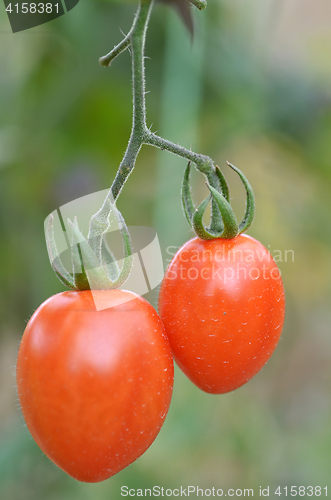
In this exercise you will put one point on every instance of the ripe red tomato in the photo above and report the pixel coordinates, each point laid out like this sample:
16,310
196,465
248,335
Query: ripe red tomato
94,386
222,304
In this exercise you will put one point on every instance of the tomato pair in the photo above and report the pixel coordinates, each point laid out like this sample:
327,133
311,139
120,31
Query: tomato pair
95,386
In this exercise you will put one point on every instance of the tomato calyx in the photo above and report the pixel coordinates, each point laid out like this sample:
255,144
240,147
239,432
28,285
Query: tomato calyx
94,266
223,220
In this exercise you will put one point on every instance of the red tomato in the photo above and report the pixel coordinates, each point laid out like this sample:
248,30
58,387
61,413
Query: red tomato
94,386
222,304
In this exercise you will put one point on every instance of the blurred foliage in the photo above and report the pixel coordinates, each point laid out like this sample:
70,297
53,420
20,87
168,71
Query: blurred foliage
64,125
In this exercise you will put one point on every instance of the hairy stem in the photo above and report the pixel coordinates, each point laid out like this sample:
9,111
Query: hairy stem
107,59
204,163
140,134
137,37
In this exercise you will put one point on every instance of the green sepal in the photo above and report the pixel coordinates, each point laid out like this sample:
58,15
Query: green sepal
87,271
128,251
187,201
250,202
197,223
229,220
54,257
78,267
64,281
99,226
223,183
109,261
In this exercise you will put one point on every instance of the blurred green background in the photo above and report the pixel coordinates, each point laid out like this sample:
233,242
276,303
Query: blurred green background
253,88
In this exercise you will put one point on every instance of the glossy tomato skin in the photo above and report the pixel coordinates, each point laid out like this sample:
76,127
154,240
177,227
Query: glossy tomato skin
222,304
94,386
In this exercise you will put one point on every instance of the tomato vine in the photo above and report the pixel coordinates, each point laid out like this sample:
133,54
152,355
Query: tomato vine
141,134
223,221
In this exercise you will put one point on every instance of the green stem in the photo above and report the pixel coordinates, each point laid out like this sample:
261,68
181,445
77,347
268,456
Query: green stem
91,251
204,163
216,219
140,134
107,59
137,37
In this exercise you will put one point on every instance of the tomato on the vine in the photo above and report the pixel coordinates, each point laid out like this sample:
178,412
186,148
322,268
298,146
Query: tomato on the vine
222,304
94,386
